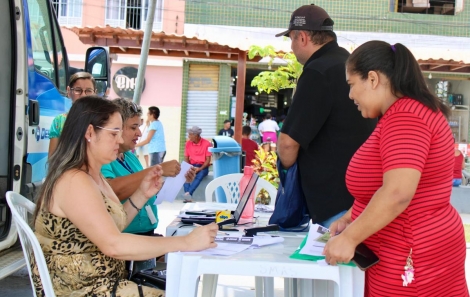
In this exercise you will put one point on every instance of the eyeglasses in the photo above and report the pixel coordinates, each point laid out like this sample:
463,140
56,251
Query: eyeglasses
117,130
134,107
79,91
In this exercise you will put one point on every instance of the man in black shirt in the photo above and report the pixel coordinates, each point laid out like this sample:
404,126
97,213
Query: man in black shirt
323,128
226,131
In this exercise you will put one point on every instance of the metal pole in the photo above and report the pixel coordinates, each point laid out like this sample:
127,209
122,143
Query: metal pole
144,52
241,73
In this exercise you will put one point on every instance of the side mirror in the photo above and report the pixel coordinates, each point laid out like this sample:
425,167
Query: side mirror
97,63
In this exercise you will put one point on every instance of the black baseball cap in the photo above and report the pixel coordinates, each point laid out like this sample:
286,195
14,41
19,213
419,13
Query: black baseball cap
309,18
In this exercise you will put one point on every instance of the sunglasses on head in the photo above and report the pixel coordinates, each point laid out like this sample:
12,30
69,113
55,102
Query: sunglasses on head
134,107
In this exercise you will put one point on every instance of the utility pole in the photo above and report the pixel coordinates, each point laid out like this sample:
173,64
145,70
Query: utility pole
144,52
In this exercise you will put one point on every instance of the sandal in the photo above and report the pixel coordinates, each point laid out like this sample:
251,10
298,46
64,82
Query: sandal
187,200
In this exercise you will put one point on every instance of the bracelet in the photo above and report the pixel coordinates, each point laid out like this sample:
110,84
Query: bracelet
133,205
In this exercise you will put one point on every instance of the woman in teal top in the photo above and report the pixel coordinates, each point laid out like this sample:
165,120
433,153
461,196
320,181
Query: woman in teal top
81,84
126,173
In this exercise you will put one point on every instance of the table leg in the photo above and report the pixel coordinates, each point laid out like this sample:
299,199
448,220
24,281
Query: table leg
290,287
259,286
348,277
173,273
268,285
305,288
327,288
186,284
209,284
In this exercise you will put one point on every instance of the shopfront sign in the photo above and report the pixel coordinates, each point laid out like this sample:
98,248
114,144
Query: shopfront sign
124,81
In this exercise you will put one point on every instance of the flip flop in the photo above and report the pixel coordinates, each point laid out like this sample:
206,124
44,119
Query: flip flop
187,200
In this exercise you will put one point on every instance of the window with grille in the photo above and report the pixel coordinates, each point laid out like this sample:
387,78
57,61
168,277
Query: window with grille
68,12
436,7
132,13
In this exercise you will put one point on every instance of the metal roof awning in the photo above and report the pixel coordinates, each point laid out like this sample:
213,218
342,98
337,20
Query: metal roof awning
441,65
443,54
129,41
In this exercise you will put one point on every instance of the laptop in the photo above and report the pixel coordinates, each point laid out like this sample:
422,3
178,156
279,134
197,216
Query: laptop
236,214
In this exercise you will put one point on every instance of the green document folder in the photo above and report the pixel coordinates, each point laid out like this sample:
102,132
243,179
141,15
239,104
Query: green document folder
298,256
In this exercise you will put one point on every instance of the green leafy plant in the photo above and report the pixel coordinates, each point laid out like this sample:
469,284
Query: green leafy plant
284,77
265,166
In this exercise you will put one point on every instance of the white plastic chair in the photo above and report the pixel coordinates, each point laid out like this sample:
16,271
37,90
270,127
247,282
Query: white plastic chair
230,185
20,207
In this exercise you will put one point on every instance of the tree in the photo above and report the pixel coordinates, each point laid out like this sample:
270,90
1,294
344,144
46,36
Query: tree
284,77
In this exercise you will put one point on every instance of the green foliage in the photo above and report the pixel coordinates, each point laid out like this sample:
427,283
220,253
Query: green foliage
265,166
284,77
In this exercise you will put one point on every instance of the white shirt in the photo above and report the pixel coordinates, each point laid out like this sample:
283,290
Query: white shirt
144,129
268,126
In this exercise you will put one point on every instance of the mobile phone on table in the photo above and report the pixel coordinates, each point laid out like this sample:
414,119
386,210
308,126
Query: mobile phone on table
364,257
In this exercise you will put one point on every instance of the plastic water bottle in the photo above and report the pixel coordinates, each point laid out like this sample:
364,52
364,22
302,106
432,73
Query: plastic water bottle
247,214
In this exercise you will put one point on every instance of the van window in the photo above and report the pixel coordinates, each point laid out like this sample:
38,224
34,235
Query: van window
42,35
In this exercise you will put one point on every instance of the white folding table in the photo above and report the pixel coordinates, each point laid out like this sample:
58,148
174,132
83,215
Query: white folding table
305,278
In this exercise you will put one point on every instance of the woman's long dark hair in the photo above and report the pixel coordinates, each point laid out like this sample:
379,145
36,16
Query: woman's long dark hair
398,64
71,152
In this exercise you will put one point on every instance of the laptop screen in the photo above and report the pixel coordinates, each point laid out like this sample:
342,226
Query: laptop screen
245,197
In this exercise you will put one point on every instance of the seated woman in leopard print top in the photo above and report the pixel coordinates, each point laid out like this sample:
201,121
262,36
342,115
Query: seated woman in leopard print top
79,218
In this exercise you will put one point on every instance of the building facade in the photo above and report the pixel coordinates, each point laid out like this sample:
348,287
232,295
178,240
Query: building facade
163,76
433,30
200,92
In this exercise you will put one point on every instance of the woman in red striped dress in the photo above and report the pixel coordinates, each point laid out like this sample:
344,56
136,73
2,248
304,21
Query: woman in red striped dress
401,179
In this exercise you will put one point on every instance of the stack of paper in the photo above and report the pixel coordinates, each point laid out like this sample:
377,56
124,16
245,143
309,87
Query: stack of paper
229,245
316,240
172,185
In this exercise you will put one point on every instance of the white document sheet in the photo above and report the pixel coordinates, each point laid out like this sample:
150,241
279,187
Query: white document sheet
316,240
172,185
263,240
232,244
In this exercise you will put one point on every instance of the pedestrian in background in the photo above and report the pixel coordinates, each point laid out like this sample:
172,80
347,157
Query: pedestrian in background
268,129
249,146
226,130
155,137
322,129
459,166
196,153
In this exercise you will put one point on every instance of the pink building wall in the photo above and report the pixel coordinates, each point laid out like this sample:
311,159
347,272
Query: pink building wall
93,13
73,45
173,16
163,85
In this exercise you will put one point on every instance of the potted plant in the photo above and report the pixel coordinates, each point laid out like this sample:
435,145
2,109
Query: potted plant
265,166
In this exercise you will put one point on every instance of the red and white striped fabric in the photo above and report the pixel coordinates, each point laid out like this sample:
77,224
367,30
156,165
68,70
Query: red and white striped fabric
410,135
